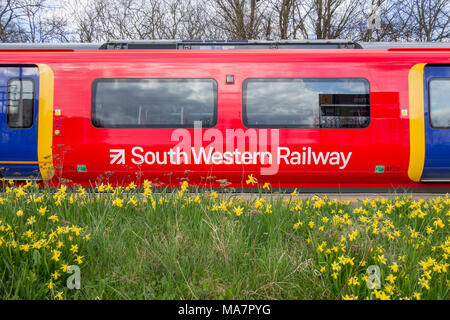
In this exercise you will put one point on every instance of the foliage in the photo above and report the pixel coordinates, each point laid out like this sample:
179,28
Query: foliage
187,243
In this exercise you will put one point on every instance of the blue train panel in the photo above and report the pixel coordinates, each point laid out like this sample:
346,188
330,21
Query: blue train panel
19,88
437,123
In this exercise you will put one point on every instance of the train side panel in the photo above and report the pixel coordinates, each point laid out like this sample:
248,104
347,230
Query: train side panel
374,156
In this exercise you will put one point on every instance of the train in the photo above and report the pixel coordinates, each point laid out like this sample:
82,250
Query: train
325,114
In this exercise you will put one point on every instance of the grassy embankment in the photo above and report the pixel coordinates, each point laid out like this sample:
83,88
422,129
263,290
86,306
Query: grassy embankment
131,243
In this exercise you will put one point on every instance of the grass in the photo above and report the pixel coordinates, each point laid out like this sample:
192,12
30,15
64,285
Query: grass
196,244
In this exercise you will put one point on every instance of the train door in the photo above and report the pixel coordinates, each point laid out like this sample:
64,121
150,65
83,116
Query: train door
437,123
19,87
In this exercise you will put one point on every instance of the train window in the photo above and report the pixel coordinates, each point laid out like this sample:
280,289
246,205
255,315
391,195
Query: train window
20,103
154,103
439,102
306,103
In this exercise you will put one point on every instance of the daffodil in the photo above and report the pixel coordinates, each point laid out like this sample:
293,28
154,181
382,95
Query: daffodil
76,230
251,180
56,275
31,220
258,203
56,255
79,259
147,192
424,283
42,210
238,210
118,202
381,259
391,278
147,184
101,188
74,248
298,224
132,201
81,192
394,267
335,266
19,192
438,223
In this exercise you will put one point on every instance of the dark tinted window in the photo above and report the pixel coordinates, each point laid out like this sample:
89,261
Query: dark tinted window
440,103
20,104
154,103
306,103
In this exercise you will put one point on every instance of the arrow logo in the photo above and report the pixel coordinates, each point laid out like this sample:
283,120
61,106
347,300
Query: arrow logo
117,156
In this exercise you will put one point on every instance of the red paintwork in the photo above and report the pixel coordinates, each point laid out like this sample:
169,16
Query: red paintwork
384,142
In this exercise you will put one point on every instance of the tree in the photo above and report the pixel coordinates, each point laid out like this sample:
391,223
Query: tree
240,19
102,20
331,19
41,23
10,30
291,19
392,26
431,19
31,21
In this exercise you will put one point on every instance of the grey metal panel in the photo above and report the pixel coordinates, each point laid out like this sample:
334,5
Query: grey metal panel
405,45
229,44
434,180
50,45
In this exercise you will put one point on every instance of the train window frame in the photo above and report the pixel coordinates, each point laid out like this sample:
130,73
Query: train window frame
33,108
169,126
429,102
244,111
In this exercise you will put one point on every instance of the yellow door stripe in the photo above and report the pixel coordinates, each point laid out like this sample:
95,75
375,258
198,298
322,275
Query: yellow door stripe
416,123
45,126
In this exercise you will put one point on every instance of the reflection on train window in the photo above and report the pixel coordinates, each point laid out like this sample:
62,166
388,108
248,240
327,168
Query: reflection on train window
440,102
154,103
20,103
306,103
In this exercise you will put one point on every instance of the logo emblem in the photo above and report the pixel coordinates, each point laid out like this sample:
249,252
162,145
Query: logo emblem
117,156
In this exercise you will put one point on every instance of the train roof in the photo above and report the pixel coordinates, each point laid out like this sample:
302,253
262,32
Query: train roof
229,44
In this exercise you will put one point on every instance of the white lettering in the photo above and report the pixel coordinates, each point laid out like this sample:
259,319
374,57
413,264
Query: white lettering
140,156
345,160
285,156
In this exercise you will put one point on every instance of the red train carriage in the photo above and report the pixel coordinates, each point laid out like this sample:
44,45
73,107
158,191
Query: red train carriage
326,114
